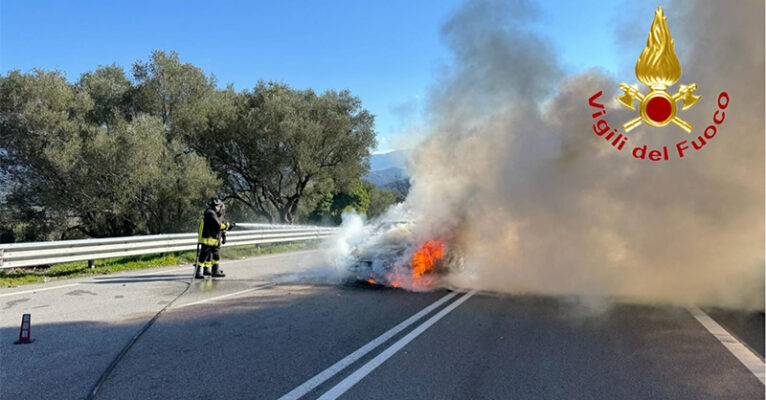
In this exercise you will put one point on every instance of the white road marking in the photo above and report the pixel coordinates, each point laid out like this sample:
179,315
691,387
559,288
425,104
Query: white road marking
742,352
39,290
257,258
321,377
365,369
83,283
194,303
165,271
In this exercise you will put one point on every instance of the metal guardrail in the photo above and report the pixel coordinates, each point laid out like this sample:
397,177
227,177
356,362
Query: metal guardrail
18,255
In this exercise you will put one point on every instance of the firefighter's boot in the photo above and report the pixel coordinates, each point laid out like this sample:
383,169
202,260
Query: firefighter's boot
198,272
217,273
206,271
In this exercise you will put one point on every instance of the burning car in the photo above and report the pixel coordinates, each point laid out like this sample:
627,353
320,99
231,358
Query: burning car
391,255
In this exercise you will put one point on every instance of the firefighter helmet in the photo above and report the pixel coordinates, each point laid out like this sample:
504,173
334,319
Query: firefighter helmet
215,202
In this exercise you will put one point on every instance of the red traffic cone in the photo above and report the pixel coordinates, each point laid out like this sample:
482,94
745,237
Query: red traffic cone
24,332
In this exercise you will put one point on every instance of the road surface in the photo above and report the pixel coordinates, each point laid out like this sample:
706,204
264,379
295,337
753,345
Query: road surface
262,334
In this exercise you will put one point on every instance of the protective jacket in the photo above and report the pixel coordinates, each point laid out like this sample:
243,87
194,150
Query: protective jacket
211,228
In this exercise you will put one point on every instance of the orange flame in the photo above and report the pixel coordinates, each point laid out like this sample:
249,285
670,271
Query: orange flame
416,274
424,259
371,281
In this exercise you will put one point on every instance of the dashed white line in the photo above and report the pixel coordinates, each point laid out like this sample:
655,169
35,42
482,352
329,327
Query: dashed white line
739,350
365,369
39,290
321,377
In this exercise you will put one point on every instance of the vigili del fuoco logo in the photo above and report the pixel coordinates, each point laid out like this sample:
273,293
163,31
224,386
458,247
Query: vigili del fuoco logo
658,68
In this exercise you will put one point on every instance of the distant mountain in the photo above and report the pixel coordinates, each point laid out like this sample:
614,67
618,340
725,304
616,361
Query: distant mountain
382,177
397,159
388,168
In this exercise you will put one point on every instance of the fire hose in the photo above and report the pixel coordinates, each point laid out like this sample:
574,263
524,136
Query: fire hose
109,369
104,376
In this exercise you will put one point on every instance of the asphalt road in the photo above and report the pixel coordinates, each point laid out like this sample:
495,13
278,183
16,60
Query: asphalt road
262,334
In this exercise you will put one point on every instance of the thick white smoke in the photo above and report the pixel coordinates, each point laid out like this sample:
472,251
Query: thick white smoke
545,206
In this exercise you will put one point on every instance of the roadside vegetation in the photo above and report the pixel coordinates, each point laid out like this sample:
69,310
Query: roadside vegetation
121,153
22,276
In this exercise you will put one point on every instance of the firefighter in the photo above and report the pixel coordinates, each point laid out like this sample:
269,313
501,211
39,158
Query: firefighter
211,235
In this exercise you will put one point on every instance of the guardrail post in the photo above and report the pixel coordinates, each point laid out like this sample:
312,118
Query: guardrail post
91,264
2,256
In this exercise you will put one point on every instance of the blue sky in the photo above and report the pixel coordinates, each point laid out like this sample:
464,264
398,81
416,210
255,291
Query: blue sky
388,53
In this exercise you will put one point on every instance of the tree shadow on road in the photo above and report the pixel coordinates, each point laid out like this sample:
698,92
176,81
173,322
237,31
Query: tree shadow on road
256,345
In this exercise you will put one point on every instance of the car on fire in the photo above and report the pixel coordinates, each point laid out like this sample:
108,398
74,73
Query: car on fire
390,255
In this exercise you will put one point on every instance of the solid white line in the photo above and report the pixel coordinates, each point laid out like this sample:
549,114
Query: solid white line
264,286
163,272
359,374
742,352
264,257
83,283
270,256
321,377
39,290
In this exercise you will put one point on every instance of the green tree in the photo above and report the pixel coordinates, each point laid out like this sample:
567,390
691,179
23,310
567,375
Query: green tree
171,188
115,155
112,94
357,199
78,160
41,129
380,199
128,185
176,92
277,146
362,197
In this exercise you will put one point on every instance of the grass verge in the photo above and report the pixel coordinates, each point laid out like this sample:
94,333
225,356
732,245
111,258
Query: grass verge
23,276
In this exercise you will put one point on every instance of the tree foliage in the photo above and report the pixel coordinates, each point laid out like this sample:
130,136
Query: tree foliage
277,146
363,197
87,159
113,155
177,93
380,199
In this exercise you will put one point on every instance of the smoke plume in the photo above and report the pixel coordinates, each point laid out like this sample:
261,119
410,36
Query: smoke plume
545,206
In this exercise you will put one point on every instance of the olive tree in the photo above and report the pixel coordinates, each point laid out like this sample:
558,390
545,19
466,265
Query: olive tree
277,146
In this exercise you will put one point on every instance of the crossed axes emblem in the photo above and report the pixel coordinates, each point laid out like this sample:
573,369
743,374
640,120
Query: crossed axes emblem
654,105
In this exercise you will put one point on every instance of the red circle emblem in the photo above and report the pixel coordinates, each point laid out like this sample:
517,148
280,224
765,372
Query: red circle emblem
658,109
